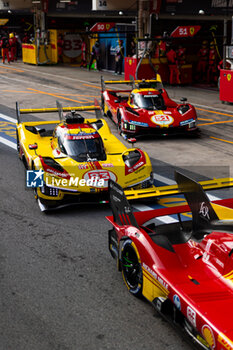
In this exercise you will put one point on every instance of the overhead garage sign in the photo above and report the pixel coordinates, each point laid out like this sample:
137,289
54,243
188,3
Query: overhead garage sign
185,31
102,27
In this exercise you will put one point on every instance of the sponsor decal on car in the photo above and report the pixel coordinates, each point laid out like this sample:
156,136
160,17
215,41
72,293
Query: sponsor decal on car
185,122
191,316
139,123
82,136
155,275
208,335
225,342
162,120
176,301
104,175
83,166
107,165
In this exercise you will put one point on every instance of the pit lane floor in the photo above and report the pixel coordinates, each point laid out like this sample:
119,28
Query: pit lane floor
59,285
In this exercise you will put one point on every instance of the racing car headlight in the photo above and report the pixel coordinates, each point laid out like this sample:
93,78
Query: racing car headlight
129,126
131,158
183,109
192,124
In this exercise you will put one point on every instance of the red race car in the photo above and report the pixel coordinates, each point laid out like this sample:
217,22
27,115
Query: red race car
185,269
146,109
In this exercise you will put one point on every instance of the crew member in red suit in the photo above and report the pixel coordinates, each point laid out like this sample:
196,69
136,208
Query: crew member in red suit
181,55
25,39
160,49
13,47
203,60
173,67
4,44
83,54
60,45
212,65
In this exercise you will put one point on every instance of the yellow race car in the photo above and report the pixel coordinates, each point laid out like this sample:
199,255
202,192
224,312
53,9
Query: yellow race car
71,159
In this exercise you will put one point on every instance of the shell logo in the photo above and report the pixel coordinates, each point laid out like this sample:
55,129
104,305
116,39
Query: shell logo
191,30
229,77
209,335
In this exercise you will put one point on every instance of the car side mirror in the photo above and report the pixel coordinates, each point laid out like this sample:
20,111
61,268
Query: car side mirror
132,140
33,146
183,99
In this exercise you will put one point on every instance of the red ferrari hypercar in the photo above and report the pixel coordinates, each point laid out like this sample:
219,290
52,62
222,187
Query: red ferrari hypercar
185,269
147,109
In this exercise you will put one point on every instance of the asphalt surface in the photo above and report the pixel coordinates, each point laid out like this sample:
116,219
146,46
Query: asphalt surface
59,286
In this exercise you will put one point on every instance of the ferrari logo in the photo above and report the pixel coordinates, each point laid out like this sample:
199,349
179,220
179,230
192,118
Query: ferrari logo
192,30
229,77
107,26
130,62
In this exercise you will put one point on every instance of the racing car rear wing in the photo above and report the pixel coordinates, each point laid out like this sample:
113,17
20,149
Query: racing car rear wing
173,189
95,107
152,82
203,214
121,209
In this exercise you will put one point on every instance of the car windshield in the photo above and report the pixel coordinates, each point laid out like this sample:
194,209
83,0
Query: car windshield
84,149
149,101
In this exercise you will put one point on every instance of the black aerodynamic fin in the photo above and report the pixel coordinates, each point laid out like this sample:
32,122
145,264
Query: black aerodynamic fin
98,113
132,81
60,110
103,87
202,212
18,113
121,209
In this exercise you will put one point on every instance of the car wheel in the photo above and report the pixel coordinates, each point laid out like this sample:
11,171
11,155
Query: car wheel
131,268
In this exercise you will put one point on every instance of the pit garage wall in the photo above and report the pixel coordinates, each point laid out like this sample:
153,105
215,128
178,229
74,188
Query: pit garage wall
113,5
71,50
109,43
15,5
187,7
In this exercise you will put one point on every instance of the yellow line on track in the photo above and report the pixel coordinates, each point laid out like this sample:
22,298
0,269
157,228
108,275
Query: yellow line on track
80,95
223,122
22,92
207,110
205,119
215,138
54,95
11,68
93,86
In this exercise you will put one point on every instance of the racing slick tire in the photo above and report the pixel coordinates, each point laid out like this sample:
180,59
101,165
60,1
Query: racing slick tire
131,268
